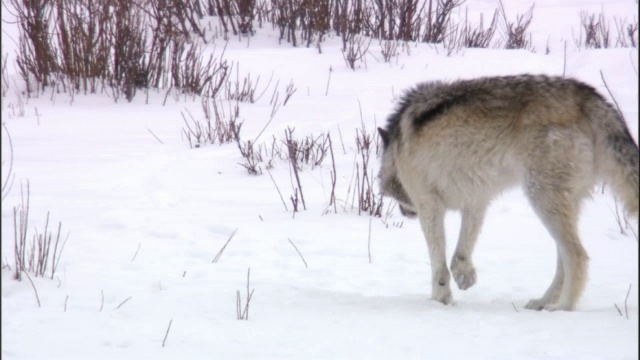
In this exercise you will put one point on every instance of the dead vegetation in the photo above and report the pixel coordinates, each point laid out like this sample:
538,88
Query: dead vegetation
595,32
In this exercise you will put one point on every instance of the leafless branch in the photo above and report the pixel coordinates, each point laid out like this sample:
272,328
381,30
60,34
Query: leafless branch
122,303
167,333
215,259
298,251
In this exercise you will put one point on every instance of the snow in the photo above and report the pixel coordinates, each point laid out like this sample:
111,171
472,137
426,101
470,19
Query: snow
147,219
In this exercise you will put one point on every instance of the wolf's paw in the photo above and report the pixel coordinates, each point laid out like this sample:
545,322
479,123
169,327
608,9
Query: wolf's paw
537,304
444,297
464,273
544,303
465,280
558,307
440,288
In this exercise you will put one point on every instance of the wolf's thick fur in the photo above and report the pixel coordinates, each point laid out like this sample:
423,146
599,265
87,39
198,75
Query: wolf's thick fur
457,145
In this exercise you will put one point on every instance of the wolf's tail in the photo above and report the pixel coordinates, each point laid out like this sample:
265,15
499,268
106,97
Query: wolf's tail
620,160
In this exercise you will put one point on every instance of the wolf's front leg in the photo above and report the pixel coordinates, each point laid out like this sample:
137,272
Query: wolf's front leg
462,267
432,222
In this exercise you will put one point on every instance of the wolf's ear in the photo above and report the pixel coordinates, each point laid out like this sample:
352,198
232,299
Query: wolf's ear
384,135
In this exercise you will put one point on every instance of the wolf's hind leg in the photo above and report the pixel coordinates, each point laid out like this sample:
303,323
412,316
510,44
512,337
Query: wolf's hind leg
574,262
553,292
431,218
557,206
462,267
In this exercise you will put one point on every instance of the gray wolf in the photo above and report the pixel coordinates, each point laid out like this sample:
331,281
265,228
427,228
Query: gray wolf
456,146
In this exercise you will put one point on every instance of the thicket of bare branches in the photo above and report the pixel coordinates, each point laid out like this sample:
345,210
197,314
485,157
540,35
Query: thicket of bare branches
595,32
514,33
477,36
120,46
41,254
5,75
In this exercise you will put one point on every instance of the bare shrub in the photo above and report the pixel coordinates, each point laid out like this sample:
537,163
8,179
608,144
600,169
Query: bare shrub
245,13
436,19
219,125
128,44
83,41
224,10
285,15
289,91
315,21
43,253
5,76
632,33
245,90
252,156
295,201
165,42
514,34
37,256
453,41
334,177
467,35
215,74
187,13
292,149
477,36
370,201
409,19
181,63
382,22
263,11
351,22
36,58
193,75
388,215
355,49
275,105
195,131
181,15
627,34
20,224
626,308
88,46
388,49
16,109
243,311
596,30
397,20
310,150
226,128
257,156
622,220
314,150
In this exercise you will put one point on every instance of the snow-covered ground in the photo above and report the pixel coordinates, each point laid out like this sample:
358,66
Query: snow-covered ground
146,220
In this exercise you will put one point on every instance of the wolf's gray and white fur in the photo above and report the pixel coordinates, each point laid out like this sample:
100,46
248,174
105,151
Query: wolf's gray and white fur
458,145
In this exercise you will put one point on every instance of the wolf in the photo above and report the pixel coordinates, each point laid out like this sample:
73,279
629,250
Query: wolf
457,145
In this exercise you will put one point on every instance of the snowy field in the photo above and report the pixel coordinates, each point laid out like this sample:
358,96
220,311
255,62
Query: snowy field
146,219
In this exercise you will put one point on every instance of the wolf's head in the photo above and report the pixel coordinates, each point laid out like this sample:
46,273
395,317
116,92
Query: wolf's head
388,175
